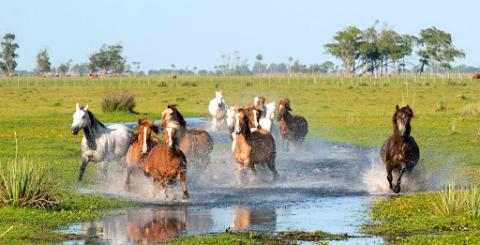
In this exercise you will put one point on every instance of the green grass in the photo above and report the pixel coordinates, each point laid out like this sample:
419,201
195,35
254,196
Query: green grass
355,110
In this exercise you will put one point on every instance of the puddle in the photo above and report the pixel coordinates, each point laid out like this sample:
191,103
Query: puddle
321,187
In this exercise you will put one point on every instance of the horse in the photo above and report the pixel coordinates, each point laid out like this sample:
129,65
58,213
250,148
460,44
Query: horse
140,147
259,102
254,113
218,110
196,143
100,143
251,148
266,120
166,162
476,76
400,151
292,127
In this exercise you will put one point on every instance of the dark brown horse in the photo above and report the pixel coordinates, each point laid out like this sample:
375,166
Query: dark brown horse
293,128
140,147
251,148
196,143
400,151
166,164
476,76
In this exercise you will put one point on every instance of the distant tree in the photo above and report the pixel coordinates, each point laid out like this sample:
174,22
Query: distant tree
259,67
8,56
136,66
108,59
64,68
436,49
43,62
326,67
80,69
346,47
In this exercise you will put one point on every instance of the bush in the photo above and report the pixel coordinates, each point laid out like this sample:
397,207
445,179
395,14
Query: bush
25,184
188,84
124,102
462,201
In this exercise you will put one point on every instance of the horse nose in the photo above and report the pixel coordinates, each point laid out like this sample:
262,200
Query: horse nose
74,130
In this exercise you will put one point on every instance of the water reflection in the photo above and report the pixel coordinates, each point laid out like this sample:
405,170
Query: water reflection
246,218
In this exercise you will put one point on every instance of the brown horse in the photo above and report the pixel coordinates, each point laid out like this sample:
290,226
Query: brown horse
250,148
254,114
196,144
476,76
400,151
140,147
165,164
292,127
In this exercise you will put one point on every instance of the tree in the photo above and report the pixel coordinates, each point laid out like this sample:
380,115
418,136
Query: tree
8,55
108,59
259,67
136,66
80,69
436,49
346,47
64,68
43,62
326,67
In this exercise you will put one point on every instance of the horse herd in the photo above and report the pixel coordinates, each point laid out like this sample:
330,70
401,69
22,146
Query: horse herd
250,130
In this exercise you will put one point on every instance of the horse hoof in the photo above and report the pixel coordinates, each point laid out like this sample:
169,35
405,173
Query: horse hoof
396,189
186,197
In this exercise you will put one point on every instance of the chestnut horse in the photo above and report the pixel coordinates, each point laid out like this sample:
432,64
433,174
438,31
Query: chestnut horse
140,147
165,164
251,148
196,144
292,127
400,151
476,76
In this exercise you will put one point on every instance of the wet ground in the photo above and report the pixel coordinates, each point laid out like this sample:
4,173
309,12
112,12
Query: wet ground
323,186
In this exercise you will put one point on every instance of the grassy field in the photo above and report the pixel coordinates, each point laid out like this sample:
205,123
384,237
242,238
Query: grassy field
356,111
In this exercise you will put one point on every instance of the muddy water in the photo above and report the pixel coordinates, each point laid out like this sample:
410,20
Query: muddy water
322,186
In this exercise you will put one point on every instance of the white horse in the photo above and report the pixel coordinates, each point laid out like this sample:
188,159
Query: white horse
266,121
218,110
100,143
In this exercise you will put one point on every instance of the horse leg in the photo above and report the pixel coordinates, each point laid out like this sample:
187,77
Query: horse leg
84,164
401,172
271,166
181,177
389,176
127,181
105,169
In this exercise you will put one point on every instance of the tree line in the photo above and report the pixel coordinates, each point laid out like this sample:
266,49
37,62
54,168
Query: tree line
375,50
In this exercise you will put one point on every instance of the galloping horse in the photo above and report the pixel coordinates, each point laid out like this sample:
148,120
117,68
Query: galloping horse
196,144
166,164
218,110
251,148
141,146
292,127
100,143
400,151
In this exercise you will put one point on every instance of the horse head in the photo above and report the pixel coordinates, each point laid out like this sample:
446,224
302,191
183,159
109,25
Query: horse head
81,118
283,107
401,120
259,102
220,100
241,122
171,114
145,129
254,114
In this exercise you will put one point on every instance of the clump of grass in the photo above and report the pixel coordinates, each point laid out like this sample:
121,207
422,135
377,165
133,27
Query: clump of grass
25,184
188,84
461,97
179,99
472,109
311,236
119,102
248,84
458,201
57,104
162,84
440,106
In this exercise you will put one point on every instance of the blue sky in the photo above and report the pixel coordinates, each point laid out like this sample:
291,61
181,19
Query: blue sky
197,33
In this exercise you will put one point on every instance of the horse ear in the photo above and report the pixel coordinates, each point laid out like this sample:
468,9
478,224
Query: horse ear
408,106
397,107
77,107
85,108
140,120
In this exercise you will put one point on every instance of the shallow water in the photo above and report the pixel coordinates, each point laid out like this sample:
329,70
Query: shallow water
322,186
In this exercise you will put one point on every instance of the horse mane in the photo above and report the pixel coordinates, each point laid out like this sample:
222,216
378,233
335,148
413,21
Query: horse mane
88,131
180,118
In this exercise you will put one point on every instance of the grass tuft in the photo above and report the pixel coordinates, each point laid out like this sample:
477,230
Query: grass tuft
119,102
472,109
459,201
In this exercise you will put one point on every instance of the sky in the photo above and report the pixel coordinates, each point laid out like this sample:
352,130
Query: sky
196,33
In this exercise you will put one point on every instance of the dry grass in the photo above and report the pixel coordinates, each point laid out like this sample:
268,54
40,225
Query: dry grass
119,102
